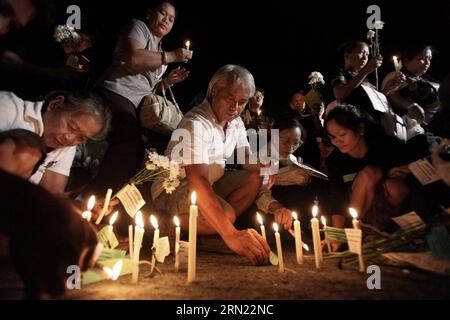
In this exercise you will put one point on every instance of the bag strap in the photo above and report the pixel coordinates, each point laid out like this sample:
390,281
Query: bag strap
174,101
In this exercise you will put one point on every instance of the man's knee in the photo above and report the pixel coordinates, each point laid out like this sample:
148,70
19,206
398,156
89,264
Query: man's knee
369,175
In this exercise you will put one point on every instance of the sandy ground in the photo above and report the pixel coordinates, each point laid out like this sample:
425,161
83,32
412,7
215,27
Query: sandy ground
223,276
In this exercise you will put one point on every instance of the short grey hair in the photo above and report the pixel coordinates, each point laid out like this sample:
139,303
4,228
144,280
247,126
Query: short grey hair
227,74
87,102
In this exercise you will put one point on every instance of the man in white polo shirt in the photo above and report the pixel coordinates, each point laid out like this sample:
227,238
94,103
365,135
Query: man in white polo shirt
64,120
210,133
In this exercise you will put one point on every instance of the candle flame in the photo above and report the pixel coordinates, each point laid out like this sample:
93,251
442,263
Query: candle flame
315,211
324,221
108,271
114,273
188,44
275,227
353,213
294,215
154,221
85,215
91,202
138,219
305,246
259,218
113,218
395,58
176,221
193,197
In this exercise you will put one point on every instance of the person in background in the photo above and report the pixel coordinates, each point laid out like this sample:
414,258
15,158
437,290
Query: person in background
138,65
63,120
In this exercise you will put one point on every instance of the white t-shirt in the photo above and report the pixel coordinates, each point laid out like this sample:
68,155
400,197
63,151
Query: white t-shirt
204,142
19,114
119,78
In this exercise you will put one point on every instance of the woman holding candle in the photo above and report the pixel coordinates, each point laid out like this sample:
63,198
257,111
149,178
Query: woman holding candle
366,170
351,86
139,63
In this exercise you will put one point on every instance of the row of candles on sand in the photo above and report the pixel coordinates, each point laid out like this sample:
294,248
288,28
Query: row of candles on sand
135,242
136,237
299,245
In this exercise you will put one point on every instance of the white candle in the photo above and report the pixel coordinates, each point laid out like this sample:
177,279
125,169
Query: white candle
110,227
193,212
324,222
263,229
316,236
88,213
130,240
298,238
188,43
177,242
138,237
154,223
105,206
357,225
279,249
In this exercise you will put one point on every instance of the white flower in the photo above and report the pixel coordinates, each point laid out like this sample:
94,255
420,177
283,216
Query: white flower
378,25
164,162
370,34
150,166
65,33
170,185
153,156
316,77
174,170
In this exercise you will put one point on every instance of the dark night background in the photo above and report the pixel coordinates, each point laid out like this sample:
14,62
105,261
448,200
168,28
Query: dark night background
280,42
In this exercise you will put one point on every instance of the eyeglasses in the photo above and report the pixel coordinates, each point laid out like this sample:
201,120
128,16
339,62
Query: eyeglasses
294,143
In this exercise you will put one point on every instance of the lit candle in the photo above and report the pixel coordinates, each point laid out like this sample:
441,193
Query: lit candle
279,249
154,223
193,212
355,220
105,206
138,237
324,222
263,229
114,273
357,225
177,242
316,236
110,227
88,214
188,44
397,63
130,240
298,238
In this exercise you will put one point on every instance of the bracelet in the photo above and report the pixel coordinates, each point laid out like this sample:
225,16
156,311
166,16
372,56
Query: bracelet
164,58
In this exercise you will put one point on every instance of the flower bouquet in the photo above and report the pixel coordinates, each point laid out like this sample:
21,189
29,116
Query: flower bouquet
376,243
73,44
156,167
